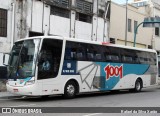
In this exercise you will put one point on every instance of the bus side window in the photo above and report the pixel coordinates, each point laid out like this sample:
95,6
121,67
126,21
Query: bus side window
98,57
108,58
115,58
73,55
127,59
90,56
79,56
136,60
68,54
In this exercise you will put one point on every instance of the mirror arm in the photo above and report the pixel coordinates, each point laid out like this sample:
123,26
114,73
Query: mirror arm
4,58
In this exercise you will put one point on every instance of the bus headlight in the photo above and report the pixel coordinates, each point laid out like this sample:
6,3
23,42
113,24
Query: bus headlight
30,82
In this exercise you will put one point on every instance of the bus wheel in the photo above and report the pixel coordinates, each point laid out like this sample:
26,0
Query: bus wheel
70,90
138,85
44,96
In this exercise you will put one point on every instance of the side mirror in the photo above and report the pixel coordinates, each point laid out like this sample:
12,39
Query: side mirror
5,59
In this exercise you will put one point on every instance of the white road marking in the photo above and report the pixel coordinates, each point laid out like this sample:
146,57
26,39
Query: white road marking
92,114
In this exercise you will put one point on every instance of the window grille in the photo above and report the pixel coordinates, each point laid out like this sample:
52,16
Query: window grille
60,12
157,31
84,6
84,17
3,23
129,25
59,3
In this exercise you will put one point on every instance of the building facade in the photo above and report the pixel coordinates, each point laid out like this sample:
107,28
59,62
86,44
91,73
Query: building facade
118,26
83,19
152,9
5,25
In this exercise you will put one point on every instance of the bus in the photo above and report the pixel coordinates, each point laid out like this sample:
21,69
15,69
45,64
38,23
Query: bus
50,65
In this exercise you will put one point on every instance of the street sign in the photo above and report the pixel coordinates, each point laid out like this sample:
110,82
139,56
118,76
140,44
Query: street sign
151,22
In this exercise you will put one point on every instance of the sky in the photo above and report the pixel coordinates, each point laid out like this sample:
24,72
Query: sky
121,1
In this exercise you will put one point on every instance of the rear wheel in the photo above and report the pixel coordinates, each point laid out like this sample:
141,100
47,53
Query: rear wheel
138,85
70,90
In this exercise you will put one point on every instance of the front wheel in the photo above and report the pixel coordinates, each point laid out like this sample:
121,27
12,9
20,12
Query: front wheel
70,90
138,86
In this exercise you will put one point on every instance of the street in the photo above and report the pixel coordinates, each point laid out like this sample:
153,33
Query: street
149,97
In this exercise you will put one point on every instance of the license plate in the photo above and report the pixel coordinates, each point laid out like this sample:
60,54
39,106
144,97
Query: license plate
15,90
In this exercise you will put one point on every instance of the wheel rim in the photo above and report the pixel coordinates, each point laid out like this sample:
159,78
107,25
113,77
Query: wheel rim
71,89
138,86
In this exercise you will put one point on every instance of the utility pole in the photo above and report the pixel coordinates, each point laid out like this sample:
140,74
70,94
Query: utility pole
126,22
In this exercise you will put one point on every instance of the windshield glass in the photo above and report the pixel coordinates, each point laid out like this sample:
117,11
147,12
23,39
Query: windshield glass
23,59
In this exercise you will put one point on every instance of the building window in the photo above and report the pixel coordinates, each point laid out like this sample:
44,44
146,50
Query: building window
3,23
84,11
84,6
129,25
59,3
135,25
83,17
60,12
101,13
157,31
140,4
112,40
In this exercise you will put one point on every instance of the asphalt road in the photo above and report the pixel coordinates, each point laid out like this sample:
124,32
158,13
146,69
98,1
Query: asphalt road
149,97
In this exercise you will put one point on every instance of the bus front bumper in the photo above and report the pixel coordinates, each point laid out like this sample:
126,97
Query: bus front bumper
29,90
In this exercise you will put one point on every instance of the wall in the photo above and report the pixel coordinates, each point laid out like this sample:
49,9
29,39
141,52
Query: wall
156,39
39,20
37,16
83,30
5,41
117,26
59,26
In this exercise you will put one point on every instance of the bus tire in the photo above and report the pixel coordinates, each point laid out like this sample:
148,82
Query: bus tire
45,96
138,85
70,90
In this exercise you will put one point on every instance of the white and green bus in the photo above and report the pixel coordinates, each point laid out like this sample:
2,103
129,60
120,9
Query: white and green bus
50,65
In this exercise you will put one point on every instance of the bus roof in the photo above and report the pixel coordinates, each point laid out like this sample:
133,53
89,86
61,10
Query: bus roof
89,42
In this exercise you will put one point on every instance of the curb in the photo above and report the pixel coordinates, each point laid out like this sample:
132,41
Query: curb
7,95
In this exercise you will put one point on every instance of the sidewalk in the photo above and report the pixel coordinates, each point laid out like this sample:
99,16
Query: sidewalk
6,94
3,91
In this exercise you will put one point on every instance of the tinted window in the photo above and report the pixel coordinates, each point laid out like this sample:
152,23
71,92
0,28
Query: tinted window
50,58
92,52
75,51
83,52
112,54
128,56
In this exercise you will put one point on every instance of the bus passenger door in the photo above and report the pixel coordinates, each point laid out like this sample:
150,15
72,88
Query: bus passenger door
49,65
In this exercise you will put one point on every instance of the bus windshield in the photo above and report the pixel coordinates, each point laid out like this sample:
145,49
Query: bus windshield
23,59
